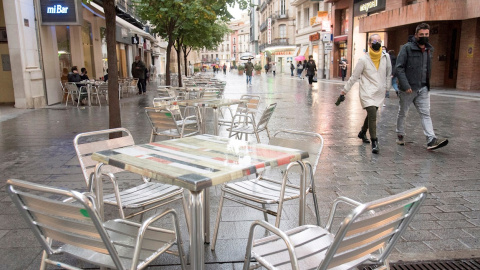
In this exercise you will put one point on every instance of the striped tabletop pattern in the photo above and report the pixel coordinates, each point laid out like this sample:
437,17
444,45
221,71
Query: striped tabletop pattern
213,103
198,162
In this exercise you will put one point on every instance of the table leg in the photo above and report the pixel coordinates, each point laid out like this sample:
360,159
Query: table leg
206,215
215,121
197,255
99,189
89,90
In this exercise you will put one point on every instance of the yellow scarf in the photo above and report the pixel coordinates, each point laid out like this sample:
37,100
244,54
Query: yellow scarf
375,56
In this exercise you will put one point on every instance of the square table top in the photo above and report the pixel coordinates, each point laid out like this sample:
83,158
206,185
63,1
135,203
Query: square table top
212,103
198,162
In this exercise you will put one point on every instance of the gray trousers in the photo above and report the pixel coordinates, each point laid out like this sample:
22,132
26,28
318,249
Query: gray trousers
421,100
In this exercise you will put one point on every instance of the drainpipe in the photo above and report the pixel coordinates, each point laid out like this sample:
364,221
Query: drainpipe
39,46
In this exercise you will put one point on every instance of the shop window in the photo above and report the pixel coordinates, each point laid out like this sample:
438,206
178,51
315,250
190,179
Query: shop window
282,7
306,17
282,29
64,56
344,22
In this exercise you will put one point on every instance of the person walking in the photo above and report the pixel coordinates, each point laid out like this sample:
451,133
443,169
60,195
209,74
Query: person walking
292,68
343,67
413,70
138,72
225,69
374,71
274,68
299,69
248,71
311,70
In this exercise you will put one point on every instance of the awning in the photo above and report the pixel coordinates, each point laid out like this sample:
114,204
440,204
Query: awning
296,51
340,38
304,51
121,22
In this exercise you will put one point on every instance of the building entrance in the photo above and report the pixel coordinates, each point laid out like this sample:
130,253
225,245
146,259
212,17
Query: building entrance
451,58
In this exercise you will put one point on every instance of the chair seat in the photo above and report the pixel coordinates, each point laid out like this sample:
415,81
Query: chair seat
144,194
310,244
248,129
124,237
261,191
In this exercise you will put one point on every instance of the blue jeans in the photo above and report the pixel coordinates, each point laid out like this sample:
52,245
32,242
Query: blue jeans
299,73
421,100
291,71
249,79
395,83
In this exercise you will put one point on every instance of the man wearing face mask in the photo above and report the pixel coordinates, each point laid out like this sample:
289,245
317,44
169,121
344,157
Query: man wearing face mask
138,72
374,71
413,70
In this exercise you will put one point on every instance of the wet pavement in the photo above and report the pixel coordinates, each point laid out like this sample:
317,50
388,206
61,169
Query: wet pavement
37,145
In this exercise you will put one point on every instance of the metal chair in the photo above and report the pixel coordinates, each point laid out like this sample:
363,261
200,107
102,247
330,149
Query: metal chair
162,102
265,190
72,92
248,126
169,122
132,86
367,235
76,229
148,194
103,90
249,107
95,93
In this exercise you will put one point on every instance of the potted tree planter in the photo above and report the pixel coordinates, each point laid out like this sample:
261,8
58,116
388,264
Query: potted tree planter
241,69
258,69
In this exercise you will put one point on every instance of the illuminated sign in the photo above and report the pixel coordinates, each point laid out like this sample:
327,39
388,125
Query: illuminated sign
61,12
314,37
366,7
269,31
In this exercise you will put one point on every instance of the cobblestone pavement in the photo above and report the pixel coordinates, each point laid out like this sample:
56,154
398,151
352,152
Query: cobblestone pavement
36,145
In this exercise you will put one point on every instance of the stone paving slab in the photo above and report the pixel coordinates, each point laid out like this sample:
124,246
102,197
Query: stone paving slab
37,145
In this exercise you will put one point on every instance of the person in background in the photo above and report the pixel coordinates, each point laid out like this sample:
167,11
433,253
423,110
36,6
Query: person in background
266,68
225,69
311,69
147,75
138,72
374,71
249,71
153,72
83,75
343,67
64,77
74,76
299,69
105,77
304,73
414,70
393,59
274,69
292,68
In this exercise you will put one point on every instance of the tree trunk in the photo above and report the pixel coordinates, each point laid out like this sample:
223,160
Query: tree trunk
179,68
184,49
167,69
114,118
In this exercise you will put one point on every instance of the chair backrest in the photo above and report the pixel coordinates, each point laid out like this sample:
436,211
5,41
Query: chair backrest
371,230
75,223
165,118
210,93
265,118
162,102
89,142
307,141
103,88
252,101
71,87
133,82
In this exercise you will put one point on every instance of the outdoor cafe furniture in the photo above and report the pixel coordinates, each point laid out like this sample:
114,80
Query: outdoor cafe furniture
197,163
143,197
75,229
366,235
250,106
168,121
249,126
261,191
72,91
215,104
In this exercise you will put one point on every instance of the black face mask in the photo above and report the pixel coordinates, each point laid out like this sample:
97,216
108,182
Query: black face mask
376,46
422,40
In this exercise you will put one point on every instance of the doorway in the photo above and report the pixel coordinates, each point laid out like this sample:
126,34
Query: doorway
453,44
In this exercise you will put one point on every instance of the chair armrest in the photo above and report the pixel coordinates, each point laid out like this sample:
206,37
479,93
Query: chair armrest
338,200
267,226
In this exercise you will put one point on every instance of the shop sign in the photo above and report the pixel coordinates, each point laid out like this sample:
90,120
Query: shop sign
470,51
283,53
124,32
362,7
314,37
60,12
269,31
320,18
328,47
135,40
148,45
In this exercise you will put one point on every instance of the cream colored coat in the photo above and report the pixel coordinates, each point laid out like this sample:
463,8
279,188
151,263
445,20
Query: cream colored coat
373,83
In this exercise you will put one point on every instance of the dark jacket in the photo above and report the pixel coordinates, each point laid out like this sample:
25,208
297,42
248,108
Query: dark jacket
138,70
84,77
73,77
248,68
311,68
409,66
393,59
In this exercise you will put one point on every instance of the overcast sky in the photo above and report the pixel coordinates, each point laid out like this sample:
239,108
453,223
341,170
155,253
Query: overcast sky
236,11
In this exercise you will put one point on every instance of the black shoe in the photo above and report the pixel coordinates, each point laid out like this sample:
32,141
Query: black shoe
363,136
436,143
400,140
375,148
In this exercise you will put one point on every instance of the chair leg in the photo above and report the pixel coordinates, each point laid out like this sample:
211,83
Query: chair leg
43,264
265,215
314,194
217,221
187,212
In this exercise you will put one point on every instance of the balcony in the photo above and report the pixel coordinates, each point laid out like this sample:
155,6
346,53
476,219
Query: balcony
275,42
263,26
263,6
278,16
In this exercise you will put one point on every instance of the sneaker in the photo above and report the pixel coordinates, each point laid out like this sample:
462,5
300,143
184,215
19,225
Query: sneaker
400,140
375,148
436,143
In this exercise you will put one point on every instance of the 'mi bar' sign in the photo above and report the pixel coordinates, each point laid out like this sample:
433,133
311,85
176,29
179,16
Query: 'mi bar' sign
61,12
367,7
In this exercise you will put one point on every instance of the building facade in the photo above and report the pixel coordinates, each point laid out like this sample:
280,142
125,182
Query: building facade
41,52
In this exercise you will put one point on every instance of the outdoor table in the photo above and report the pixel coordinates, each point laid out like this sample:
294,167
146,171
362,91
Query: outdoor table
215,104
197,163
88,84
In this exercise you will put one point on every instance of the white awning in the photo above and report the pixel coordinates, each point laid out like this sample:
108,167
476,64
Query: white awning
296,51
121,22
304,50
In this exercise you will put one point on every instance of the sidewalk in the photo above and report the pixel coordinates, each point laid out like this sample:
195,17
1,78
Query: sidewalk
37,145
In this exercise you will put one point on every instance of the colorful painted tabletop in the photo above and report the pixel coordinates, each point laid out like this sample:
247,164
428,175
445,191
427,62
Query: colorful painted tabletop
198,162
213,103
